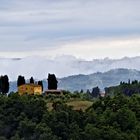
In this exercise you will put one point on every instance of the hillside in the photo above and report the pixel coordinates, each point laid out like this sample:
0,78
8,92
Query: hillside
110,78
106,79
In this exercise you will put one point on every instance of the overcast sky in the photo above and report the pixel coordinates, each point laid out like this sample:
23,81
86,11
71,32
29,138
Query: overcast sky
84,28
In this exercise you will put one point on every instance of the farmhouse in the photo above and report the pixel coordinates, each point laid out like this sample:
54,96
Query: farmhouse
31,89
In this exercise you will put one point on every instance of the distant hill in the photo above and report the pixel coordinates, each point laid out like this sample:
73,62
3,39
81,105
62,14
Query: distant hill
106,79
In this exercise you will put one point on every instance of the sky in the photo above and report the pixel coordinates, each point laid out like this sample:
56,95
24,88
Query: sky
86,29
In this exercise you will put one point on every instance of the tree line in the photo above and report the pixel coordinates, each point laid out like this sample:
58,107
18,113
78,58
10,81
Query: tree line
127,88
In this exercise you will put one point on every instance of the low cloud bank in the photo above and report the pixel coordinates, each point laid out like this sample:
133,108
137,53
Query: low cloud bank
62,66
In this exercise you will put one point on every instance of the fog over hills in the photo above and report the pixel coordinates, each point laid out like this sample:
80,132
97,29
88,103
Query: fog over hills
62,66
86,74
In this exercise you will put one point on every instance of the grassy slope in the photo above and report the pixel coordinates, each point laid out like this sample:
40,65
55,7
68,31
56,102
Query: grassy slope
76,104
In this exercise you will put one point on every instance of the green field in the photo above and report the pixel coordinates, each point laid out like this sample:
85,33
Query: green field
80,105
75,104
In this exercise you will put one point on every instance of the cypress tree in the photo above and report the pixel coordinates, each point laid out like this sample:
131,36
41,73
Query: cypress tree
52,81
32,80
4,84
21,80
41,84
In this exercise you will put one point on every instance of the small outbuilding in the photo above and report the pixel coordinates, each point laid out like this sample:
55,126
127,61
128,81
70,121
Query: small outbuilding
56,92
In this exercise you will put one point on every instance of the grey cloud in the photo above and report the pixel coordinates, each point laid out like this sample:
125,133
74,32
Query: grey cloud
27,23
29,66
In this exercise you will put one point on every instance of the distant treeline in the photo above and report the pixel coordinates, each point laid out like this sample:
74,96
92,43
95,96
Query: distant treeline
127,88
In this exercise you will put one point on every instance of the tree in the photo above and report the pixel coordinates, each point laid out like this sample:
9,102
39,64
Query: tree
32,80
91,132
126,119
4,84
95,92
52,81
82,91
88,91
41,84
21,80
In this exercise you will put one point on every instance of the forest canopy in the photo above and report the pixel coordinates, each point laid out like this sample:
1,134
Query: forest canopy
28,118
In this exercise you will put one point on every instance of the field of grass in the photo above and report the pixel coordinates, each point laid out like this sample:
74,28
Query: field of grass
76,104
80,105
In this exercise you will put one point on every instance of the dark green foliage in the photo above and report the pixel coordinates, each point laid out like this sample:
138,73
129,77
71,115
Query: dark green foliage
4,84
41,84
95,92
128,89
88,91
52,81
109,118
32,80
20,80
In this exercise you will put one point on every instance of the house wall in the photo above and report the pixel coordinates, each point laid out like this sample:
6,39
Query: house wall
37,90
29,89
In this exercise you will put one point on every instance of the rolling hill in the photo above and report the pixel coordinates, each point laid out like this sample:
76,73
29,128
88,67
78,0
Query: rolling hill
106,79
